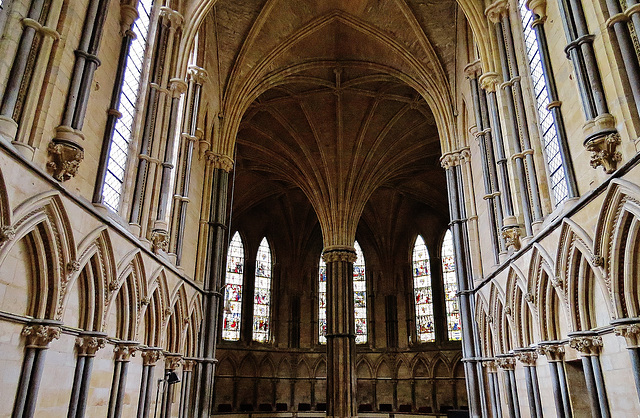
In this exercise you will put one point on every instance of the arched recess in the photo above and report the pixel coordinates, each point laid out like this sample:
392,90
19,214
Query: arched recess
588,291
189,344
42,240
156,311
124,302
617,242
176,324
502,335
484,325
320,369
5,211
518,309
88,288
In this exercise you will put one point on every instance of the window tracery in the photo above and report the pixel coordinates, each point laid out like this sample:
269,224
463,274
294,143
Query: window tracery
454,326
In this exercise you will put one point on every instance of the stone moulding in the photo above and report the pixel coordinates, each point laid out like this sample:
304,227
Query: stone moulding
66,157
602,147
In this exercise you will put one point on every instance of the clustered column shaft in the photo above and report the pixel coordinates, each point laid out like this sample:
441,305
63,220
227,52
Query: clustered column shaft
507,363
87,344
123,352
554,351
212,288
341,337
38,336
463,276
494,388
185,390
528,358
149,359
630,330
589,345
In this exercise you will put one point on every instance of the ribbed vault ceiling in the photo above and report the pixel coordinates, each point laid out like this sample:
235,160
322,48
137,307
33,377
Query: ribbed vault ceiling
337,102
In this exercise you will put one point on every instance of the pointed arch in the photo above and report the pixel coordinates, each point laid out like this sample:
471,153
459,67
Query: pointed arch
320,369
617,243
383,370
124,295
422,291
440,367
156,313
284,368
226,367
517,308
234,282
262,292
582,273
248,366
420,368
5,208
267,368
364,369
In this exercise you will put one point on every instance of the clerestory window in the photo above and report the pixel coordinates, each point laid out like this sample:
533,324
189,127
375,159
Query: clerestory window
454,326
262,293
232,312
422,292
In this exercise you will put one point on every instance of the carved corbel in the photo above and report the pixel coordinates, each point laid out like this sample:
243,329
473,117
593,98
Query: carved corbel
506,362
553,352
603,151
527,357
125,350
66,157
511,236
7,233
172,361
151,356
160,240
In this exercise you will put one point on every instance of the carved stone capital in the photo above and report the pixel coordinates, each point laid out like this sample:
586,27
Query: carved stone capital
603,151
631,333
172,361
177,86
160,240
172,17
489,81
197,74
527,357
7,233
219,161
66,157
88,345
450,160
473,69
489,364
496,10
538,7
188,365
124,351
39,336
511,235
588,345
506,362
347,254
553,352
128,15
151,356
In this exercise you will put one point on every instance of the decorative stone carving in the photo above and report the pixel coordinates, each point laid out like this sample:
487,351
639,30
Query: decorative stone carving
507,310
39,336
145,301
219,161
66,157
173,18
449,160
538,7
511,237
603,151
587,345
73,267
172,361
151,356
530,297
88,345
128,15
198,75
496,10
553,352
557,283
188,365
124,351
489,81
339,255
160,240
597,260
631,333
506,362
528,358
7,233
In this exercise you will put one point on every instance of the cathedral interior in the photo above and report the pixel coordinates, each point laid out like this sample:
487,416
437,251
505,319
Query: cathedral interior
309,208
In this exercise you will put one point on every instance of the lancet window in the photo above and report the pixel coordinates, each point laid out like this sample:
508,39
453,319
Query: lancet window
454,326
551,141
232,314
422,292
262,293
123,132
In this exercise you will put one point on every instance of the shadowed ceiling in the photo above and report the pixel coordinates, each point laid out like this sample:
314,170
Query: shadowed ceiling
332,105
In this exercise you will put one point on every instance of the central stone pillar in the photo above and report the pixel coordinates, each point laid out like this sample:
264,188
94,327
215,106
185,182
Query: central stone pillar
341,337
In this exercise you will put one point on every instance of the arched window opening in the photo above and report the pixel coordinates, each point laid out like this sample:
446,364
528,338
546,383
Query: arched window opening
262,293
322,302
360,296
422,292
451,288
551,141
123,132
233,290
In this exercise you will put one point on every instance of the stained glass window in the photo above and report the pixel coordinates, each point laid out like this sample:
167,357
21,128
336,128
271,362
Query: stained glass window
233,290
559,185
122,135
360,296
262,294
454,325
322,302
422,292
